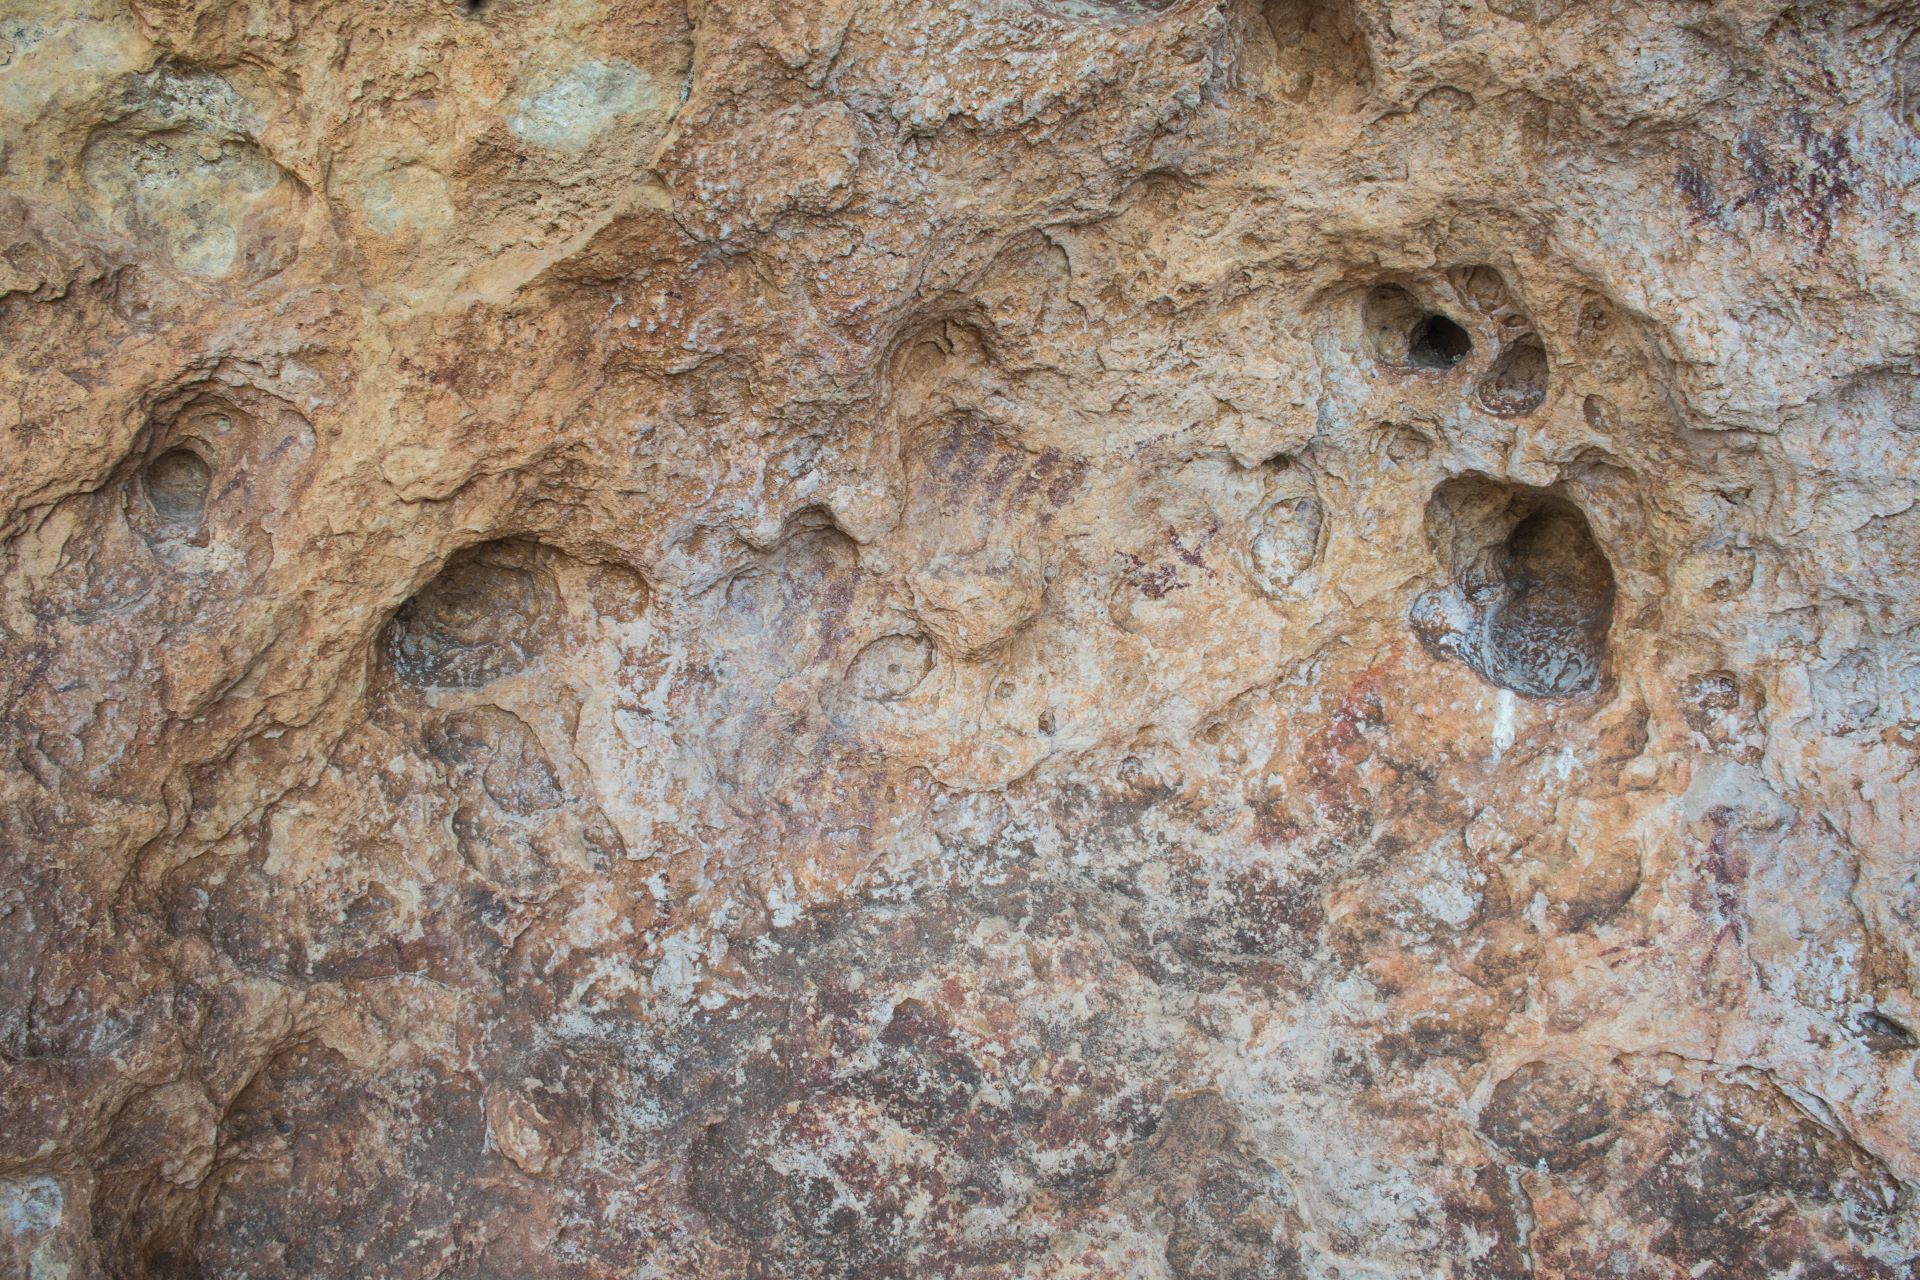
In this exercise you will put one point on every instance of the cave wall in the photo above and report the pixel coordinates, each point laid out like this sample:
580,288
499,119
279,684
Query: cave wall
1165,639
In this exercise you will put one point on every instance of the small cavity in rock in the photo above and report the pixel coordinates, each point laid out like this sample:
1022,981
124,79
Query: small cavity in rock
1403,334
889,668
176,485
1531,601
1517,383
485,616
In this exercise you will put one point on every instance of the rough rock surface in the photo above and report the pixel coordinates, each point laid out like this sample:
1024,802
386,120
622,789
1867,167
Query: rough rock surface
1177,639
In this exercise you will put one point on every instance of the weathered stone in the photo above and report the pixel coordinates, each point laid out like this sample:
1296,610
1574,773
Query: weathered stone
1025,639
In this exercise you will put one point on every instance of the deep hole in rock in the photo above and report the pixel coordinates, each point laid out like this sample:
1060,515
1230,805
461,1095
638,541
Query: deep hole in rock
176,485
1403,333
1517,383
1532,598
1548,636
1438,343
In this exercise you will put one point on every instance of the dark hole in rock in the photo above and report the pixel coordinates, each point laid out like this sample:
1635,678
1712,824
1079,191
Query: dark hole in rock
176,484
1437,343
1517,383
1532,596
1403,333
1548,636
485,616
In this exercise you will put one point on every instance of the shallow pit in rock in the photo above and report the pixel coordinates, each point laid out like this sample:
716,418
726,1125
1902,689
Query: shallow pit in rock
890,668
176,485
486,615
1318,48
1517,383
1123,10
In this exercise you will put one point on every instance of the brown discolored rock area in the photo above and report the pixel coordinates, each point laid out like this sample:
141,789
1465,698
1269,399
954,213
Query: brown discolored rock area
1022,640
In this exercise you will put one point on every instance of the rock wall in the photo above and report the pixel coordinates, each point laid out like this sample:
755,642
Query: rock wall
1170,639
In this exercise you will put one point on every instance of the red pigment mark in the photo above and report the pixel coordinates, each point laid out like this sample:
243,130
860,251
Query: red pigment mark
1802,186
1188,554
1332,748
1727,864
1272,827
1335,750
1696,193
1798,180
1005,467
837,603
1065,483
1153,583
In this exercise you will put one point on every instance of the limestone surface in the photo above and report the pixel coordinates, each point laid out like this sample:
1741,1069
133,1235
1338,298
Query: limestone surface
989,639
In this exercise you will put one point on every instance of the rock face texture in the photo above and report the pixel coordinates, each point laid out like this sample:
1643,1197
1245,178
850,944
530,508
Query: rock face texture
1169,639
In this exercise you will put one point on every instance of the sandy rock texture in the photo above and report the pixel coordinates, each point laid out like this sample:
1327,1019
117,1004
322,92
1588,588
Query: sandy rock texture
1007,639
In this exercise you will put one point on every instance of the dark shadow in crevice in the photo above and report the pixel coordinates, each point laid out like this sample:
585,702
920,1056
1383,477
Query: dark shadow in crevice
1402,333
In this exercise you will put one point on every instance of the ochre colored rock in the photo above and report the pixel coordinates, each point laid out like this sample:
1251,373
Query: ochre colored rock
990,639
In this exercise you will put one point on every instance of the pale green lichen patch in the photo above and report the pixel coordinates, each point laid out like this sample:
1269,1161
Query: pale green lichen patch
409,197
568,111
